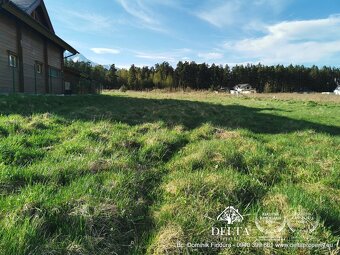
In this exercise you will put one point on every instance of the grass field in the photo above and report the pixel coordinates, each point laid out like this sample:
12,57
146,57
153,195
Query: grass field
137,173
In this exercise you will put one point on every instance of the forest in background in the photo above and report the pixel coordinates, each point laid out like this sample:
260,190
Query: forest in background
190,75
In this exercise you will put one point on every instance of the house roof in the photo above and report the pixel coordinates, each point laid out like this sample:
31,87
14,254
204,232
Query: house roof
26,5
29,6
22,10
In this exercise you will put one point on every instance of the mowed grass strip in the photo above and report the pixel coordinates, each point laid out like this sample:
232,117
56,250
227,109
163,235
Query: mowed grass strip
135,173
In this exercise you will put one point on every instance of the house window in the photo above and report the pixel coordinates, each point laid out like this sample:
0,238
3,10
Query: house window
54,72
12,60
67,85
38,67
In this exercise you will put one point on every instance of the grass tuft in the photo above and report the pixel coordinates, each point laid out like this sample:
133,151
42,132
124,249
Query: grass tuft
137,173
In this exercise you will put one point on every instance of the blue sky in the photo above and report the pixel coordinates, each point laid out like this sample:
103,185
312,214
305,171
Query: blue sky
145,32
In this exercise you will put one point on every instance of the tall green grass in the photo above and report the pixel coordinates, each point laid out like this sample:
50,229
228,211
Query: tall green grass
136,173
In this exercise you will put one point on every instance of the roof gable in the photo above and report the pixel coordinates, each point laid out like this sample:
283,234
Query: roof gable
19,13
26,5
37,10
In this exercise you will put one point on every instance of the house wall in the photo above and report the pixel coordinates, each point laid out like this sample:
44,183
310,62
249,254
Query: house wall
33,50
55,58
9,77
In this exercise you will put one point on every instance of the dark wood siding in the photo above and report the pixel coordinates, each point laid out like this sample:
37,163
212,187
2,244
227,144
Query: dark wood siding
55,62
9,77
26,33
33,53
29,47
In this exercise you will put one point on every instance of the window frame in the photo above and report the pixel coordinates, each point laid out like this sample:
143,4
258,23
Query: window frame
38,67
12,56
57,72
67,86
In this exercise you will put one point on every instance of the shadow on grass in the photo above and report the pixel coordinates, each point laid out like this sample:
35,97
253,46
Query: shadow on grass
133,111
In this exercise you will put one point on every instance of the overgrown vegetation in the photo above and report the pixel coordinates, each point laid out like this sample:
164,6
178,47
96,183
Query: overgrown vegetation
190,75
136,173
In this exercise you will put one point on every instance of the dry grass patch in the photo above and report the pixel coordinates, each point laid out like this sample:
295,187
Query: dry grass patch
166,241
100,165
225,134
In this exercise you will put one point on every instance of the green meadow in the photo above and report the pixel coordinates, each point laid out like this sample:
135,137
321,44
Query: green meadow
141,173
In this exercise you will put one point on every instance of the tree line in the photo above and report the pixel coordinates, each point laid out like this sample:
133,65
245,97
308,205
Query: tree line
279,78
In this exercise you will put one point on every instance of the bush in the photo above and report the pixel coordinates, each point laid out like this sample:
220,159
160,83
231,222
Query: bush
268,88
123,88
3,132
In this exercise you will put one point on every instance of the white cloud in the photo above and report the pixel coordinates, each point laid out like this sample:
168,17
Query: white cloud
84,21
227,13
305,41
211,55
170,56
154,56
105,51
222,15
139,10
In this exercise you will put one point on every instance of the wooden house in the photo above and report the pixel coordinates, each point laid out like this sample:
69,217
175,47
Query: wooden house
31,54
242,89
